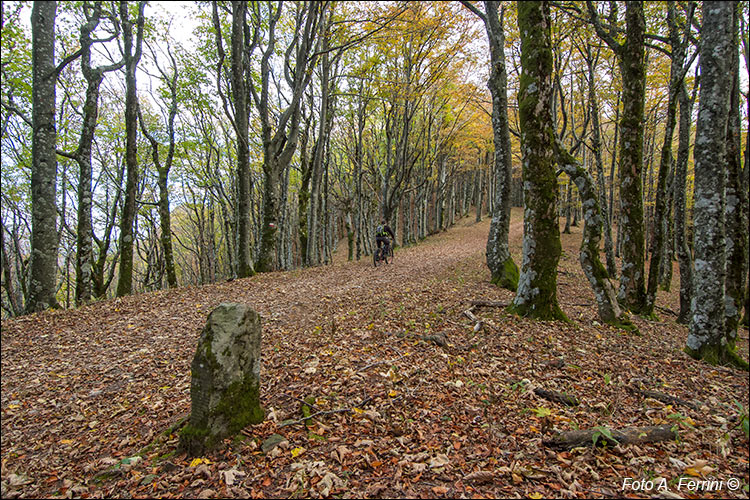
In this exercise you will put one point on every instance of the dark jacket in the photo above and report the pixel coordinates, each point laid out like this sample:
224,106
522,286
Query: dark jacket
384,230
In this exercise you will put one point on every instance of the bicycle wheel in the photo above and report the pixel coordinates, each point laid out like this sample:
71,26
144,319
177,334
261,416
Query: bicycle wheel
376,257
390,252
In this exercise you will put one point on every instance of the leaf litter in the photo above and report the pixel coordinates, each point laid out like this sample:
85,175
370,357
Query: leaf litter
93,398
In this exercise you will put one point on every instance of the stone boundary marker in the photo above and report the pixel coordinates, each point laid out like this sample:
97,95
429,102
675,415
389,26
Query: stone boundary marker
225,379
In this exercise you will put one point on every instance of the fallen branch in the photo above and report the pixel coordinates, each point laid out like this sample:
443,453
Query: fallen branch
557,397
387,361
664,398
478,322
629,435
327,412
469,314
667,310
488,303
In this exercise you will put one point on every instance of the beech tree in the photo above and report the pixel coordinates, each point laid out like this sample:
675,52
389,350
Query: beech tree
736,198
536,296
43,260
679,38
504,270
707,337
132,50
631,58
94,76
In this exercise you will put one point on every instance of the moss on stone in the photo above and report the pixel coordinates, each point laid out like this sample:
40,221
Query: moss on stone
240,406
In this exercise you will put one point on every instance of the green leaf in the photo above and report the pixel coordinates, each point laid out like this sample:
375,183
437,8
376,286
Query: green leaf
542,412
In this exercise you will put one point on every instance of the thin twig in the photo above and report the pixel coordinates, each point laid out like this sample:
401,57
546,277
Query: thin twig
341,410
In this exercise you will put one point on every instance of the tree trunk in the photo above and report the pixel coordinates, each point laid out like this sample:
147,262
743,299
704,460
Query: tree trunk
606,298
684,254
707,334
127,236
537,285
239,95
568,203
313,215
736,198
596,144
44,242
632,291
658,242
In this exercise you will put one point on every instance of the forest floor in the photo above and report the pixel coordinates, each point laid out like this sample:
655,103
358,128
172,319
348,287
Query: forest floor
91,398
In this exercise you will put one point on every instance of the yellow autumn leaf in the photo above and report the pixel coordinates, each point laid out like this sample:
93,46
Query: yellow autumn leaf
533,429
13,407
358,411
197,461
693,472
66,441
297,452
392,393
536,495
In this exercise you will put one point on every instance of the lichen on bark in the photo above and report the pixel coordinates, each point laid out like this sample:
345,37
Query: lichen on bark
504,270
707,336
604,292
536,296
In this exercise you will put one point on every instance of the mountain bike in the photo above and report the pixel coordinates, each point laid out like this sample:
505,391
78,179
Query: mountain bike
383,254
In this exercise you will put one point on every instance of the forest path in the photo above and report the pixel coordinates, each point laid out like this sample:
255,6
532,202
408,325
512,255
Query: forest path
83,389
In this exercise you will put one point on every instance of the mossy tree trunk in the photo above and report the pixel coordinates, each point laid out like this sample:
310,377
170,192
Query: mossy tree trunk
736,223
707,335
631,57
504,270
132,56
606,297
632,291
536,296
43,260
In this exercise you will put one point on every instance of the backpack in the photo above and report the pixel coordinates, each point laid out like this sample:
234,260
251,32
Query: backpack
380,231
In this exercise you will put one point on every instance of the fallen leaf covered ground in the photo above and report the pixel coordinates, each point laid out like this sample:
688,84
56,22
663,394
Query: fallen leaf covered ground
411,400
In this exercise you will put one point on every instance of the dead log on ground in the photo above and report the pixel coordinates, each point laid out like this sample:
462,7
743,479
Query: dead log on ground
664,398
629,435
488,303
556,397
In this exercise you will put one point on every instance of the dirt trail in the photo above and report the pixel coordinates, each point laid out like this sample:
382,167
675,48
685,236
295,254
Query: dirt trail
65,372
84,389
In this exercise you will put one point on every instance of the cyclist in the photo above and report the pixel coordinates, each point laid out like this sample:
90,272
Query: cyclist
382,232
